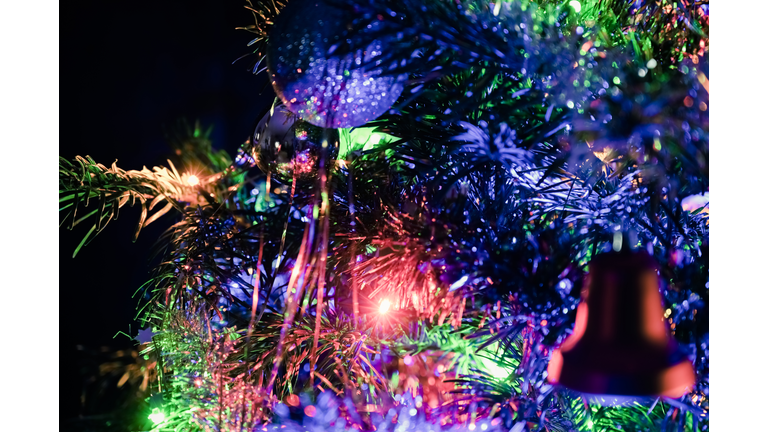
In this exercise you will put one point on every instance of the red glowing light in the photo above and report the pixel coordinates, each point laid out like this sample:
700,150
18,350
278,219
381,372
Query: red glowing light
384,306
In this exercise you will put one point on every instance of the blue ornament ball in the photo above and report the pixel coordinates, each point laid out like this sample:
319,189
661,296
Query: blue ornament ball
326,89
287,147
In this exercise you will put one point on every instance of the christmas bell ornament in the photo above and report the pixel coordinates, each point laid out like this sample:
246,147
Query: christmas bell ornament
288,148
620,344
328,90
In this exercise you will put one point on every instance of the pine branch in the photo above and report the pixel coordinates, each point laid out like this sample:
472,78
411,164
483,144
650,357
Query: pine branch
112,188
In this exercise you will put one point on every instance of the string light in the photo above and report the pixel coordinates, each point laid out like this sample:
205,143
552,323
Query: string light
496,362
157,416
384,306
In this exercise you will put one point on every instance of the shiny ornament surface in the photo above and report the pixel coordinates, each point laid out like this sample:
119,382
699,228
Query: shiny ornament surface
287,147
323,88
620,344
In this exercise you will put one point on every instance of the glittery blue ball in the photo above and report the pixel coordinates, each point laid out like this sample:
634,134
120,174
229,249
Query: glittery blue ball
326,89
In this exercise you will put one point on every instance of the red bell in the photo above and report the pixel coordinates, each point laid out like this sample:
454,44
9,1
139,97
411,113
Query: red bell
621,344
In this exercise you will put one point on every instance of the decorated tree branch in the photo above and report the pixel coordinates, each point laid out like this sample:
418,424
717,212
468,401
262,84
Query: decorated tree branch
452,214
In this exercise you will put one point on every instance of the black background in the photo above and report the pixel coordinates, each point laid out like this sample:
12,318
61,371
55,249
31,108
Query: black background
129,70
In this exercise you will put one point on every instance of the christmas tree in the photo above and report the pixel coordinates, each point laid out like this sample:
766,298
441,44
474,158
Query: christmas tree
412,233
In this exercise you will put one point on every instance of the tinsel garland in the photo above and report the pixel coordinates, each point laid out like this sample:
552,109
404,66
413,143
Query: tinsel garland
423,284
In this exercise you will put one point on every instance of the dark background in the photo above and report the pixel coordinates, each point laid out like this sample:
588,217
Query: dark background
129,71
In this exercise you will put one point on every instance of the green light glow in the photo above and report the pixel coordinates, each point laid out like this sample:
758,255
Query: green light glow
488,361
157,416
361,139
494,369
372,141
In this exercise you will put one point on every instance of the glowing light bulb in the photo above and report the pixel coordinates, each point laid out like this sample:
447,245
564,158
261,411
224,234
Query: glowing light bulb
384,306
157,416
193,180
575,5
489,363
